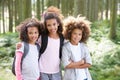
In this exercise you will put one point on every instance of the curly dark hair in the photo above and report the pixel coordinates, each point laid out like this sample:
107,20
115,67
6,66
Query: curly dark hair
52,15
23,26
56,10
81,23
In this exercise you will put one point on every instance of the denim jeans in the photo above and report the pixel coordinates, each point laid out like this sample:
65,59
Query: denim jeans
56,76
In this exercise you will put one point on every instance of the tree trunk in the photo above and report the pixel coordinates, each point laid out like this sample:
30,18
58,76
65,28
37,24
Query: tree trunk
20,11
0,17
92,10
10,9
63,7
58,3
96,10
38,9
89,10
3,17
70,7
16,12
78,7
42,5
27,9
101,9
107,9
48,3
113,17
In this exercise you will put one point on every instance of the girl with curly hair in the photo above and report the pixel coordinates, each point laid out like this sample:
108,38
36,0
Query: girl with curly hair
75,54
30,29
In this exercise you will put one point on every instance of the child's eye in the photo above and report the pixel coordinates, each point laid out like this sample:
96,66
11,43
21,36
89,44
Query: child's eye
48,25
29,33
80,34
36,32
54,24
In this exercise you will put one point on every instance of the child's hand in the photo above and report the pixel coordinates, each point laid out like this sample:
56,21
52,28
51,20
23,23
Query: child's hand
18,45
82,61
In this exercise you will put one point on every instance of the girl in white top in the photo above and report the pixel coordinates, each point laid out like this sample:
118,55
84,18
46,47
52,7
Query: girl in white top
75,55
29,32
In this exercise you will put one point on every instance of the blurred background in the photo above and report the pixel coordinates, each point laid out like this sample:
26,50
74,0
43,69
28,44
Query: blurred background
104,41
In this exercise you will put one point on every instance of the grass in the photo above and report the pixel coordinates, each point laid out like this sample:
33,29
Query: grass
6,74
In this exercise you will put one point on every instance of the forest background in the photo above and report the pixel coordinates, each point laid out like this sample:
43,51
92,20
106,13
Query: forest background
104,41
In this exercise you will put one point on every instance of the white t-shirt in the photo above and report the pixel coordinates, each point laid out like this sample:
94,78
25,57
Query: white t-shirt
30,68
49,61
77,55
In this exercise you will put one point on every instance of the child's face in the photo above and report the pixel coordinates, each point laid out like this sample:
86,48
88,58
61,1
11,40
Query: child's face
52,26
76,36
32,34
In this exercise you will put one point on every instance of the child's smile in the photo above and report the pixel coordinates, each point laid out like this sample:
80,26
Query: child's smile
76,36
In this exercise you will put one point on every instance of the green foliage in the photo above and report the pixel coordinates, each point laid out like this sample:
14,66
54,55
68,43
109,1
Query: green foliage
7,51
105,52
99,29
7,44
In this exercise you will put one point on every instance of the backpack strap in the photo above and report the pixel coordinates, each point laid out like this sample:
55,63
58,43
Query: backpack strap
38,48
26,49
61,44
44,42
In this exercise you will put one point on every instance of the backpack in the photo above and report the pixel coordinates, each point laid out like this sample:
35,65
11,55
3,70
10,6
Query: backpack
26,49
44,42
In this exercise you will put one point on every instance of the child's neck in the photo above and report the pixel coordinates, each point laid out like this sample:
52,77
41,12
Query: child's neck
55,36
33,43
74,43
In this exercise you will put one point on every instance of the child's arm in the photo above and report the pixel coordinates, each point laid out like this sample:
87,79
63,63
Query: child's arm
75,64
87,58
86,65
18,45
18,65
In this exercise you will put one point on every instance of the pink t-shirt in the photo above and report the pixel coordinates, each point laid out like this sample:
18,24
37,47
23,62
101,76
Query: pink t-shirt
49,61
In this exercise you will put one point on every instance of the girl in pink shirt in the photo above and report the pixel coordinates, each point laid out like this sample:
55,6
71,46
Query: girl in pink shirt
50,58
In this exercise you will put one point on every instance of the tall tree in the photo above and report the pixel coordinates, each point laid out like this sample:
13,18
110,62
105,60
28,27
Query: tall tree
49,3
42,1
10,9
3,16
78,7
70,7
101,8
27,9
38,9
96,10
16,12
107,8
89,9
63,7
113,19
0,15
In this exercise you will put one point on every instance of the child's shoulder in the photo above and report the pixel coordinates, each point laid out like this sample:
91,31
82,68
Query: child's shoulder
83,45
67,43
